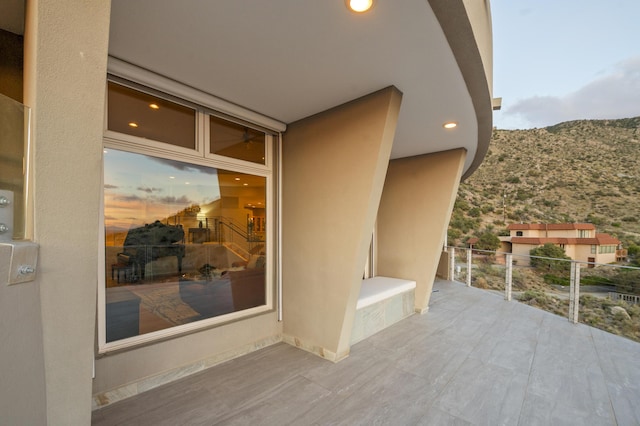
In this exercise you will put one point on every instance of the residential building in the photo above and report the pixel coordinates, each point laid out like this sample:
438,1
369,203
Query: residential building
298,140
580,241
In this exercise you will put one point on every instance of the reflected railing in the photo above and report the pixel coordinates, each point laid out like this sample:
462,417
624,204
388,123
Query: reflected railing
14,140
605,296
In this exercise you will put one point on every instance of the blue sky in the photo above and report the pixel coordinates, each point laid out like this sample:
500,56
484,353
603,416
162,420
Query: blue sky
564,60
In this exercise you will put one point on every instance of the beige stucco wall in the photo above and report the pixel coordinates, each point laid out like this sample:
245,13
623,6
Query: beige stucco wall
65,66
334,167
521,253
414,214
22,382
479,13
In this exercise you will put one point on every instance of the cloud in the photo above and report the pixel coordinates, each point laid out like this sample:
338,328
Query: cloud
614,95
109,186
148,190
127,198
185,166
174,200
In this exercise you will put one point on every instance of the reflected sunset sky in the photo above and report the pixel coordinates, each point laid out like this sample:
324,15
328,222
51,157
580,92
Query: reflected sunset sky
140,189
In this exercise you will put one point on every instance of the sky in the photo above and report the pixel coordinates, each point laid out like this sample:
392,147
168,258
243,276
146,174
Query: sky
140,189
562,60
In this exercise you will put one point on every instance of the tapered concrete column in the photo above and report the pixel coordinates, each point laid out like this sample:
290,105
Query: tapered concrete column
65,75
334,165
414,214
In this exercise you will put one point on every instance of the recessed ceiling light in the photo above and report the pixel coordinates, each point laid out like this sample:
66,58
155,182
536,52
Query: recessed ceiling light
359,6
154,106
133,124
172,177
450,125
237,178
245,184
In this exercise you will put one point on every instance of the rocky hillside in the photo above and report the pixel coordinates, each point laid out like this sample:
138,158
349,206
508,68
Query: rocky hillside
578,171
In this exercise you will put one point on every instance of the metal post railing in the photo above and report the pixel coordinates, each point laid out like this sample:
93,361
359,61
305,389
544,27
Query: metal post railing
574,292
509,276
452,263
469,255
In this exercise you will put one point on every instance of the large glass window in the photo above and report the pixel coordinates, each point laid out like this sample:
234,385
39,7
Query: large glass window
186,235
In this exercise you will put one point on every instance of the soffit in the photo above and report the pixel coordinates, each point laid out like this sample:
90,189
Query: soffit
291,59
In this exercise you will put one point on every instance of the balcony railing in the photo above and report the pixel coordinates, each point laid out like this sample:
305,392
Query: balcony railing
605,296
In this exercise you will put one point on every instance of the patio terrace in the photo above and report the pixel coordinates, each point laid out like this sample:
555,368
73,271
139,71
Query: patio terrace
473,359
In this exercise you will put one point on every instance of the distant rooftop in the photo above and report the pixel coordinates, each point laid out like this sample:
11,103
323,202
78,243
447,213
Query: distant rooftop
549,226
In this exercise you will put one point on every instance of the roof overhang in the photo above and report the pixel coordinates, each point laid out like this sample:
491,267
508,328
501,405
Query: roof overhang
288,60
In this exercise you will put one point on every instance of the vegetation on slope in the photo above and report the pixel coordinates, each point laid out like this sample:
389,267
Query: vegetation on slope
578,171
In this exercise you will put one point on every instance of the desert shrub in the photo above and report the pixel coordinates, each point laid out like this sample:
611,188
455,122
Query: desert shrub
474,212
595,280
553,279
552,255
627,281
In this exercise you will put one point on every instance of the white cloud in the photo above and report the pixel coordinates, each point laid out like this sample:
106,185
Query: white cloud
614,95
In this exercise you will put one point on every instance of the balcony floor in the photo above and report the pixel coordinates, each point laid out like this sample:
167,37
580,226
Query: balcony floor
473,359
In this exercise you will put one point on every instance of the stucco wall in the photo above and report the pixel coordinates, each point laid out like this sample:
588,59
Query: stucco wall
65,66
22,383
413,218
334,167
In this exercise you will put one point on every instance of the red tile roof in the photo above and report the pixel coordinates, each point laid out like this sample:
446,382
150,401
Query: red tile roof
549,226
600,239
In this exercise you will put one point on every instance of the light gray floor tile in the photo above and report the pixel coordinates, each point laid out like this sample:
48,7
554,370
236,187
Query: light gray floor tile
472,359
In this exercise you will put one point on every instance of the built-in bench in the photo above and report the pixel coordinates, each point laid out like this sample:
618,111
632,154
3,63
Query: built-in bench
382,302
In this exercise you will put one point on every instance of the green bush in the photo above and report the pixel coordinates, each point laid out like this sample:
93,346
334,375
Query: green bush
554,254
552,279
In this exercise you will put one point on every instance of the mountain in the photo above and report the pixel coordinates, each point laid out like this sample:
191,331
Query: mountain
577,171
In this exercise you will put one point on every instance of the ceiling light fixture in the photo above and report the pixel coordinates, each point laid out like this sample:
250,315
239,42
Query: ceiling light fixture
133,124
154,106
450,125
359,6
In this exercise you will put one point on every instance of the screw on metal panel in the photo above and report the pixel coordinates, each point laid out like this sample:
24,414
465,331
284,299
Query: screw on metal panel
26,270
3,228
4,201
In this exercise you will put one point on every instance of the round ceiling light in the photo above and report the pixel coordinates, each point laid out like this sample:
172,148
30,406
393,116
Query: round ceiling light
450,125
359,6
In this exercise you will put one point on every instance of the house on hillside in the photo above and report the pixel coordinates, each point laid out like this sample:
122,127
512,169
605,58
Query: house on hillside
580,242
178,153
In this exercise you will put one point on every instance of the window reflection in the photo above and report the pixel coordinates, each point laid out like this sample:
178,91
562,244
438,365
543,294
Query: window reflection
184,242
139,114
236,141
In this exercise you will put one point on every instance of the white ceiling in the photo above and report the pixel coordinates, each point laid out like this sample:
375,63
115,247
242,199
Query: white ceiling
288,59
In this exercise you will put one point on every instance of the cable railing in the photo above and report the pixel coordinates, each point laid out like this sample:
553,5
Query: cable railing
606,296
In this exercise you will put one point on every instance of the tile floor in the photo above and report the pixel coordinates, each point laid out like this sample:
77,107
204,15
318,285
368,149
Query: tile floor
473,359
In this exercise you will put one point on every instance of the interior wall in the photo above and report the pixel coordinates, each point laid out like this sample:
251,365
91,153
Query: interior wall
334,165
11,60
65,70
414,215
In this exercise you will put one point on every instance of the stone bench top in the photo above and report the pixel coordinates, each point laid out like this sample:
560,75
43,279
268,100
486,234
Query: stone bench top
376,289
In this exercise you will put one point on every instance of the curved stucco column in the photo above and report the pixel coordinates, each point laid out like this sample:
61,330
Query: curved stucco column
334,165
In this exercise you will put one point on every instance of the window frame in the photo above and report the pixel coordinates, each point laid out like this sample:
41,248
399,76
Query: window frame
199,156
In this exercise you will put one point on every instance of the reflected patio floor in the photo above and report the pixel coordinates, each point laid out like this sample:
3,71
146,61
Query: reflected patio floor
472,359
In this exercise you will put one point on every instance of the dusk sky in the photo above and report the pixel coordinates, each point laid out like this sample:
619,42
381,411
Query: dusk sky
564,60
140,189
